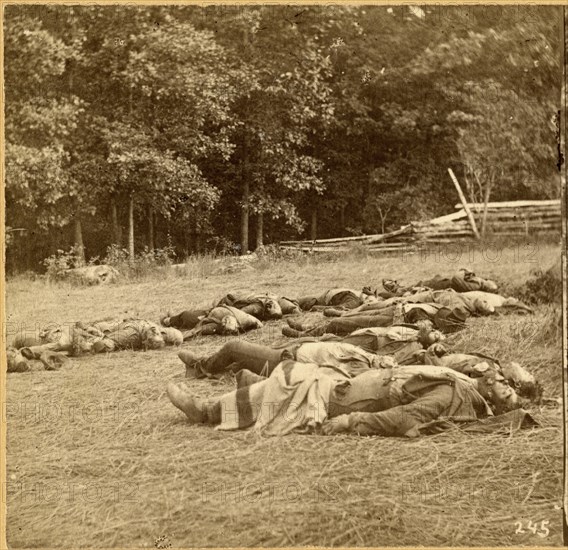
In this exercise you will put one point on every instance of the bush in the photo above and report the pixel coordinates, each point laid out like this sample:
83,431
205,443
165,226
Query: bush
143,264
58,264
221,246
544,288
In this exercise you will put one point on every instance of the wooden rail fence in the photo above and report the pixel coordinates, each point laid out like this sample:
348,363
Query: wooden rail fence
503,219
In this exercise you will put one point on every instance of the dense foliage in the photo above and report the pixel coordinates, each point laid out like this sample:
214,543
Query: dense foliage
225,128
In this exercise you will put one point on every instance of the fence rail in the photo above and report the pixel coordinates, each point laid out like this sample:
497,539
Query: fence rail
502,219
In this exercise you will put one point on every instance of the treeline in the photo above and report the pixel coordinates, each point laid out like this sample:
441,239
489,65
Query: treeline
226,128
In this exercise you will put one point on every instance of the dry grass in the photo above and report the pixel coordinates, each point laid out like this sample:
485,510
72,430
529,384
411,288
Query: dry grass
97,456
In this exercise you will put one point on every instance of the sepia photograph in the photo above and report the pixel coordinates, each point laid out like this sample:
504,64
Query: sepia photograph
283,275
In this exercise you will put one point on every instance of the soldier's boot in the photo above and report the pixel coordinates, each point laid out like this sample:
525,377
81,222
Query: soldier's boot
192,363
198,411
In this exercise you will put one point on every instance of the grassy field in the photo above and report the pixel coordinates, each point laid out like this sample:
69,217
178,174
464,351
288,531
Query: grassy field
97,456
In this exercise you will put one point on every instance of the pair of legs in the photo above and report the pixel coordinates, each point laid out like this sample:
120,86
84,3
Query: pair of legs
341,326
185,320
237,355
342,300
368,392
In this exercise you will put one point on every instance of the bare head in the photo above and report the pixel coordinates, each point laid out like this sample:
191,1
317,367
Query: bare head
482,307
230,325
497,391
172,336
153,338
523,381
16,362
427,335
273,310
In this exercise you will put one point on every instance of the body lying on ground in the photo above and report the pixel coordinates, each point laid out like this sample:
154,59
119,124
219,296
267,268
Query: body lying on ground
340,298
17,360
358,351
472,305
69,339
50,345
262,360
97,337
400,341
132,334
363,350
395,401
499,304
265,307
442,318
222,320
414,345
518,377
463,280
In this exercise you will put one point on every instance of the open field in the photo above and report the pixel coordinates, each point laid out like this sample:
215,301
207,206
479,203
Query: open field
97,456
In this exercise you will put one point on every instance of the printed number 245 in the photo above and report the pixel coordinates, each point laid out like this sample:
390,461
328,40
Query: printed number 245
543,531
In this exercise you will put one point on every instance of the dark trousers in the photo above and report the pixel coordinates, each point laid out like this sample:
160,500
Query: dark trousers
347,300
187,319
346,325
239,355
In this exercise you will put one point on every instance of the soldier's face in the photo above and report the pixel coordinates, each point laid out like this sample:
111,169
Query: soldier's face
503,396
434,336
156,342
16,361
230,325
274,310
85,346
154,339
484,308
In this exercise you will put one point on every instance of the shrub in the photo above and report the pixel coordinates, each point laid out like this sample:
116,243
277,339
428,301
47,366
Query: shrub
221,246
143,264
544,288
58,264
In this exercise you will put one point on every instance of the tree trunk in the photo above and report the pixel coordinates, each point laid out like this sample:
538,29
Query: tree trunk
131,226
314,225
245,207
155,226
260,230
342,218
260,218
196,232
80,248
116,228
150,227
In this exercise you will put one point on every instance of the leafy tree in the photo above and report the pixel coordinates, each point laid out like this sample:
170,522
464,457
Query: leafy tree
41,117
325,120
